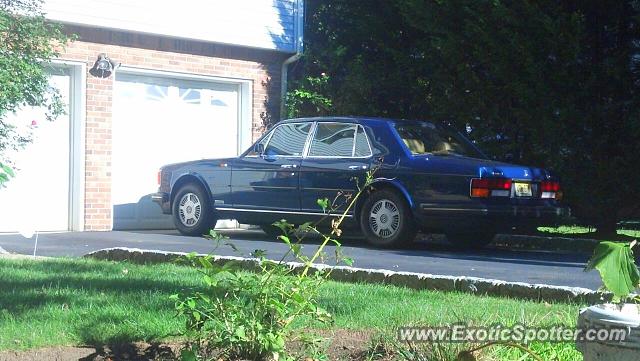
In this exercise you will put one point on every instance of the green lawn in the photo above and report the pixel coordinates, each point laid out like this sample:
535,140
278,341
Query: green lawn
580,230
72,302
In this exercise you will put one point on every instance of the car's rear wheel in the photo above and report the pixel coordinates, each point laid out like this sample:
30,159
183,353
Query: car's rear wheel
271,230
386,220
470,240
192,213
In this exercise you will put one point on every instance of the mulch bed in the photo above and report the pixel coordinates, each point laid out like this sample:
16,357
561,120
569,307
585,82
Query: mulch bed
344,345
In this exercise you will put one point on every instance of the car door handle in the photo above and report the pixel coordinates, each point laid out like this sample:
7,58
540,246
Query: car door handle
289,166
357,167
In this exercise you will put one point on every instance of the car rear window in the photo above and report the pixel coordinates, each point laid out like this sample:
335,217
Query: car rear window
428,138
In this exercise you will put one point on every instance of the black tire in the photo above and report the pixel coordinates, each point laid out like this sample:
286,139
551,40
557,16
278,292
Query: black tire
196,218
386,230
470,240
272,231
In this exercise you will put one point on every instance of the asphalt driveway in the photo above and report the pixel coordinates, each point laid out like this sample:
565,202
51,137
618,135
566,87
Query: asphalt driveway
555,268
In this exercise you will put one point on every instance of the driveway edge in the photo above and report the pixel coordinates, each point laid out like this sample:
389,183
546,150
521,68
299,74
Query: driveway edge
414,280
547,243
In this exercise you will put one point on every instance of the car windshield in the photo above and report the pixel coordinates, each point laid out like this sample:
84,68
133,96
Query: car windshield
429,138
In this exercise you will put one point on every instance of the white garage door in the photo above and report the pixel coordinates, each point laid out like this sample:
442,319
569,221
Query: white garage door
38,198
157,121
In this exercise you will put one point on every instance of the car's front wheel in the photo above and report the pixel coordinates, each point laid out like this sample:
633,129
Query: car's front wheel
192,213
386,220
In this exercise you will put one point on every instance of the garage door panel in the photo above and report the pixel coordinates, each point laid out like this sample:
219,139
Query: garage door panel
157,121
38,197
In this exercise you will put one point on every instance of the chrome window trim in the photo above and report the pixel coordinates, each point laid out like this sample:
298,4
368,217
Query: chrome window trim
307,145
355,136
230,209
366,137
310,137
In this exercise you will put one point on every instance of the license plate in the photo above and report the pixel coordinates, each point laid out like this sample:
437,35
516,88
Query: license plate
522,189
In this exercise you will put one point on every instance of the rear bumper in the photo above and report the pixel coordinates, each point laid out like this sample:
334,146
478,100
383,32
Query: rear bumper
163,201
500,217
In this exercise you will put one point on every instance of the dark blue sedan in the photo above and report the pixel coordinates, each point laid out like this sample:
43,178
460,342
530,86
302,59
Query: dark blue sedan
428,178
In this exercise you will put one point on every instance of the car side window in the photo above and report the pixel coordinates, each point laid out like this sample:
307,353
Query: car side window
288,140
333,140
362,147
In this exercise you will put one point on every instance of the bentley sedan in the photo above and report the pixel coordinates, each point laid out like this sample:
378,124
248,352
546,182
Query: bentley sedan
426,177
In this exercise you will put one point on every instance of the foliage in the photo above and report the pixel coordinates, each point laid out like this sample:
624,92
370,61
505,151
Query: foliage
5,173
617,267
388,347
308,98
27,44
547,83
250,315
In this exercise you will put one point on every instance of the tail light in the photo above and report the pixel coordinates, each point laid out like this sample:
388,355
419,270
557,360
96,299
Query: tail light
490,187
550,190
159,176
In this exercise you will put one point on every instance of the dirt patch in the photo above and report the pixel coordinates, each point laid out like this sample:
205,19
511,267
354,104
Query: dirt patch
50,353
339,344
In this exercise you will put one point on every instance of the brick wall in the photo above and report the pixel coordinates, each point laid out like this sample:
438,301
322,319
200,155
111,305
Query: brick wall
261,67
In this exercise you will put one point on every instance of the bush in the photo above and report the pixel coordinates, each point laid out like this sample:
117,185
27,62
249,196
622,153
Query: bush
249,315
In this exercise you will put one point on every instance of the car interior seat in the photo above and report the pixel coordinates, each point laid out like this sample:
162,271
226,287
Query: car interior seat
416,146
442,146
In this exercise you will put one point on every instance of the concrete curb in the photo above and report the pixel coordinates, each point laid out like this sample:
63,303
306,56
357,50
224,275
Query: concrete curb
423,281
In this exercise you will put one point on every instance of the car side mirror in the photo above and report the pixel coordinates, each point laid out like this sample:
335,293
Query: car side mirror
259,149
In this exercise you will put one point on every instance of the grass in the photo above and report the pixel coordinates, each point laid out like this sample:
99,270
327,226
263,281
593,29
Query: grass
580,230
88,302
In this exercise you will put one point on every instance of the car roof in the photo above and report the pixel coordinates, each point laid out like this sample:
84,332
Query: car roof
351,119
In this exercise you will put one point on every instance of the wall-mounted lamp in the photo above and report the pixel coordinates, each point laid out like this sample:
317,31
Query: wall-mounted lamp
103,67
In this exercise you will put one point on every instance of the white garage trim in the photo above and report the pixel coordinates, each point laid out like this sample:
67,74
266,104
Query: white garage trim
77,110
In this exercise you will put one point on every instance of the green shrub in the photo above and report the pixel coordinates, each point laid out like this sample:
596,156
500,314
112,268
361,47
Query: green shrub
249,315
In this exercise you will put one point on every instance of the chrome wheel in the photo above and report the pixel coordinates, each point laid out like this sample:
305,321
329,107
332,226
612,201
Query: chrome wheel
384,218
189,209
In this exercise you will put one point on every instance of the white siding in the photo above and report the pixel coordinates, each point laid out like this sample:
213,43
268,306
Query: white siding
268,24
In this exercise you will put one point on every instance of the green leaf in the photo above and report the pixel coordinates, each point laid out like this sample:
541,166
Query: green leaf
323,203
7,170
233,246
285,239
616,265
205,262
296,249
240,333
191,303
209,281
305,227
188,355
